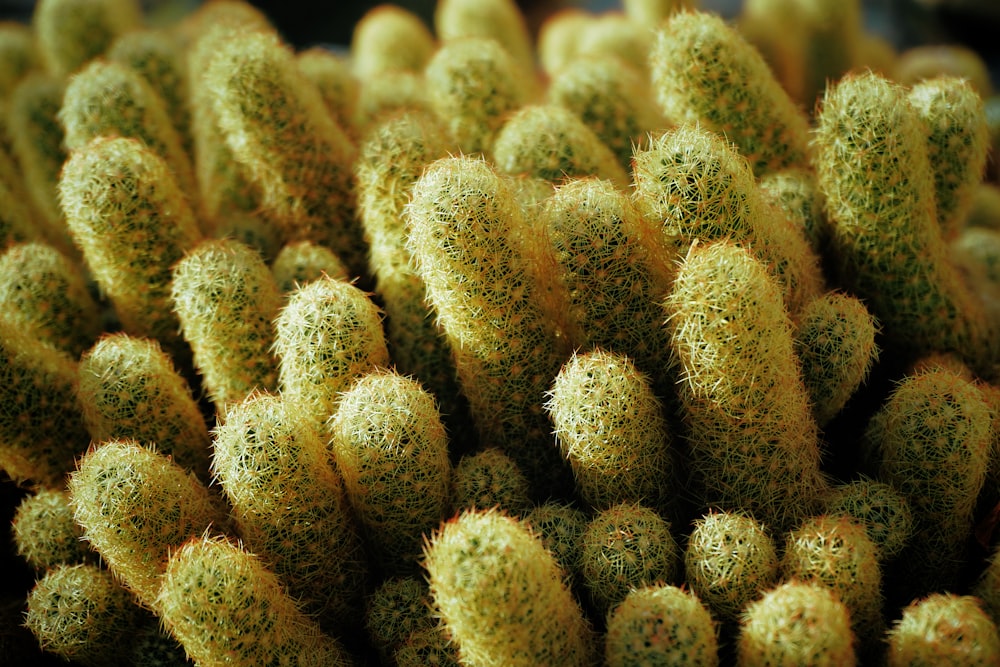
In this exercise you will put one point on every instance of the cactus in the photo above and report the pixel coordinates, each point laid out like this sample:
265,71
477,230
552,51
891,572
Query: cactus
880,508
830,33
659,626
796,623
17,224
751,434
332,76
987,586
653,12
389,93
132,223
872,166
129,389
45,293
389,37
398,607
501,595
328,334
957,145
944,629
489,479
45,533
611,429
560,526
796,193
624,547
614,35
426,646
18,54
72,32
304,261
226,297
152,646
392,451
80,613
705,72
558,37
136,506
730,560
931,60
225,606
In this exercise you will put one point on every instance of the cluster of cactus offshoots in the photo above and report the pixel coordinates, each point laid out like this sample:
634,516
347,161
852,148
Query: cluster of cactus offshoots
661,340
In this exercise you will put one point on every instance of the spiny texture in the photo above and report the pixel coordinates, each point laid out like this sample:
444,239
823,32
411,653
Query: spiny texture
303,261
652,12
132,223
730,559
392,451
45,293
553,143
704,71
501,595
226,298
752,437
483,269
41,427
933,437
389,37
398,607
80,613
388,93
135,507
872,166
500,20
560,527
45,533
944,630
474,84
797,623
490,479
796,193
130,389
610,427
835,342
275,123
72,32
427,646
331,74
265,454
227,608
328,334
624,547
987,586
659,626
613,35
880,508
17,223
957,144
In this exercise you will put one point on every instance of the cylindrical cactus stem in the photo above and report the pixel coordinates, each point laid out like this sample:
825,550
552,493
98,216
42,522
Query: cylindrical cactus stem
558,37
328,334
752,438
560,527
131,221
44,292
389,93
729,561
72,32
392,451
704,71
427,646
927,61
301,262
880,507
661,625
796,193
957,145
944,629
399,606
987,586
224,606
331,74
136,506
835,341
933,438
502,597
829,33
80,613
226,298
872,167
485,274
611,428
614,35
275,123
267,452
45,533
389,37
652,12
624,547
796,623
41,426
129,389
488,479
18,54
474,85
17,223
552,142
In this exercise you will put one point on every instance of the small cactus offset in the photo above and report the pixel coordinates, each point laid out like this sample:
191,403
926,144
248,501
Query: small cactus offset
389,37
880,508
501,595
488,479
944,629
796,193
45,533
398,607
331,74
560,526
72,32
614,35
303,261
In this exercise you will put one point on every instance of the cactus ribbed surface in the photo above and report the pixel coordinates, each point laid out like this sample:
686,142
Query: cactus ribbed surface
45,533
880,508
944,630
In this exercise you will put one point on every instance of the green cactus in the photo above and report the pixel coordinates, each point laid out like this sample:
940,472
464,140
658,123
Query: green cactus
152,646
136,506
560,526
226,607
652,12
730,560
328,334
880,507
266,452
80,613
389,93
659,626
19,54
44,292
132,223
16,222
944,629
927,61
331,74
796,193
704,71
392,450
45,533
501,595
72,32
389,37
987,586
830,34
796,623
129,389
488,479
427,646
303,261
398,607
752,438
611,35
558,37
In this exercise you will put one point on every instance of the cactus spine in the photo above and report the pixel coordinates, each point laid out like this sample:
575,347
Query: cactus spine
880,508
389,37
72,32
487,479
303,261
944,629
45,533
